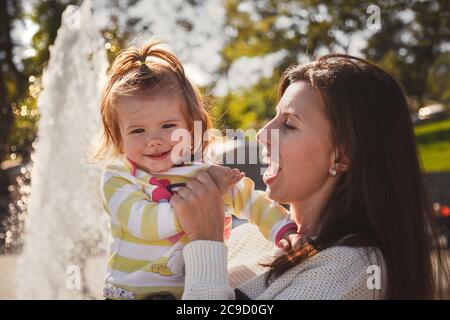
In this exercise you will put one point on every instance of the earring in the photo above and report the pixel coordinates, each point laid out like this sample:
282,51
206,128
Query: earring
333,171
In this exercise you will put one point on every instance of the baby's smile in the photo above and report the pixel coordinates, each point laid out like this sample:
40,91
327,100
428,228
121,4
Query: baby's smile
158,155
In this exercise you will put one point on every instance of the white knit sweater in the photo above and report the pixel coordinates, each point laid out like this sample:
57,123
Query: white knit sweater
213,270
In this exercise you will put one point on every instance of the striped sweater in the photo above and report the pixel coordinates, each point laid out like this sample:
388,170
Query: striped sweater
146,243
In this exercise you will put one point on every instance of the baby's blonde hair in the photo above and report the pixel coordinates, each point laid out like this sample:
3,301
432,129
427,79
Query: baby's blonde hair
151,71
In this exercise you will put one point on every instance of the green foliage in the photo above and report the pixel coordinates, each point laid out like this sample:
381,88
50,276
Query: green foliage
434,145
22,86
428,128
294,27
247,108
119,29
413,51
12,80
47,16
439,79
435,156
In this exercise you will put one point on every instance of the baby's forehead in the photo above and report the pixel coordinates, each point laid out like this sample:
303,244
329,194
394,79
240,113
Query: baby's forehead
151,108
140,102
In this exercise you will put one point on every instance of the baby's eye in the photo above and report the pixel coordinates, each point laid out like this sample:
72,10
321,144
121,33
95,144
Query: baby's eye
168,125
137,131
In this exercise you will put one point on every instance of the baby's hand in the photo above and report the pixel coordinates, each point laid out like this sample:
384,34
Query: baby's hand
225,177
290,240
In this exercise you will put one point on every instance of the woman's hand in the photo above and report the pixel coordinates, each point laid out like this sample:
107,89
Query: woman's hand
199,208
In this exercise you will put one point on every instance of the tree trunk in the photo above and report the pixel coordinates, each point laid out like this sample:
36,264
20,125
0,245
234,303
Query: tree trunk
6,67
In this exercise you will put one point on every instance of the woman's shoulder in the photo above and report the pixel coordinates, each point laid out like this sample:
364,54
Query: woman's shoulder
338,272
349,255
343,272
246,243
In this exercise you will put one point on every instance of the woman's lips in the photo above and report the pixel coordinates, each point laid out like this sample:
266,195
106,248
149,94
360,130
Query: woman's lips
158,156
271,173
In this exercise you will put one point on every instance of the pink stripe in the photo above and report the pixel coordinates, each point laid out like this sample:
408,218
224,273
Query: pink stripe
282,231
173,239
228,222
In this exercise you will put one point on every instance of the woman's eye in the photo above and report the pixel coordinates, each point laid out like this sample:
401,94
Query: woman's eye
285,125
137,131
168,125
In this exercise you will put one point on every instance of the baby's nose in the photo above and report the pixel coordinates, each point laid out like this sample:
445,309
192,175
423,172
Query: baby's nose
154,142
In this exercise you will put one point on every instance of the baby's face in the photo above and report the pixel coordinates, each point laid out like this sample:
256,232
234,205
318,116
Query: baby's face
146,126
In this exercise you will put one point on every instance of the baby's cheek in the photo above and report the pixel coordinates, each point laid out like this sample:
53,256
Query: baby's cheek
132,144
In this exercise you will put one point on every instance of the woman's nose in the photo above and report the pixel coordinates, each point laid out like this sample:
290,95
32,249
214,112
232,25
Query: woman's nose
263,135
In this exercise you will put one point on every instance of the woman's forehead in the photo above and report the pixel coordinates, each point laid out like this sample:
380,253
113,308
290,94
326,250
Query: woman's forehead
300,98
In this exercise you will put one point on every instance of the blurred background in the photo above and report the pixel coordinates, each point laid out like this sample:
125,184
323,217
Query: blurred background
235,50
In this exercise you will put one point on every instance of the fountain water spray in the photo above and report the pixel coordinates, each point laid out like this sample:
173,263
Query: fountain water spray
65,224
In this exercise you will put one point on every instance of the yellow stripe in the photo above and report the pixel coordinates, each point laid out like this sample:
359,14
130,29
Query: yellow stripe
257,208
117,168
125,264
124,210
119,233
130,265
112,185
149,226
111,260
105,207
270,218
242,196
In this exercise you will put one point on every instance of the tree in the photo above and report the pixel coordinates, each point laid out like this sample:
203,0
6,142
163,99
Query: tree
411,49
120,28
294,28
12,80
411,42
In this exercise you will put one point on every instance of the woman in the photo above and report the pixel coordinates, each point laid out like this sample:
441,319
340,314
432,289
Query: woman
348,168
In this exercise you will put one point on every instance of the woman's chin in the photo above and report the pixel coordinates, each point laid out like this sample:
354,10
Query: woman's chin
273,179
272,193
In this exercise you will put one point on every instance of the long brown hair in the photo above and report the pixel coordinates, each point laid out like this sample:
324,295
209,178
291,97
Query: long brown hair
381,198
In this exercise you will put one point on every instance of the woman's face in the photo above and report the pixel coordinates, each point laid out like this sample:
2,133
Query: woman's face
301,169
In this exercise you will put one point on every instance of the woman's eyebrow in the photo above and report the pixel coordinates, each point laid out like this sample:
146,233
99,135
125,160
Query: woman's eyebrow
278,109
287,113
